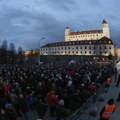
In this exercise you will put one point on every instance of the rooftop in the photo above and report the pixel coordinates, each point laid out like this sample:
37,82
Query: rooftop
103,40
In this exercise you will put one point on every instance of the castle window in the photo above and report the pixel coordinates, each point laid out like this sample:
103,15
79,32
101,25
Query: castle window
61,48
73,43
72,51
89,52
81,52
105,47
77,52
81,47
76,47
109,47
94,52
85,52
89,47
105,52
65,48
69,48
85,47
100,47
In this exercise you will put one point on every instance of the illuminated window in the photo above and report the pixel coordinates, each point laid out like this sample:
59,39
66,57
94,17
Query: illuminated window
89,47
109,47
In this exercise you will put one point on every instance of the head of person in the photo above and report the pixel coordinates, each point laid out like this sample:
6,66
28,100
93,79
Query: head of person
111,101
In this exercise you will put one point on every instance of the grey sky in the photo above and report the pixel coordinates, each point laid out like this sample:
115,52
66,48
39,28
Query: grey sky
25,22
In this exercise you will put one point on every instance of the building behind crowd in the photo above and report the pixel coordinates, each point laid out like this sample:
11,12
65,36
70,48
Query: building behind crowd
91,43
87,35
104,46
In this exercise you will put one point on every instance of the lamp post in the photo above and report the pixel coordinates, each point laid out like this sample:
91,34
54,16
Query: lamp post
39,51
115,53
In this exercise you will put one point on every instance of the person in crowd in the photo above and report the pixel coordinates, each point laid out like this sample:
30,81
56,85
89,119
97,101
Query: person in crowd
41,107
108,81
72,83
52,100
61,112
107,110
118,78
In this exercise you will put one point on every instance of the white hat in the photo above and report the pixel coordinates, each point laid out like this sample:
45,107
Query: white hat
69,83
61,102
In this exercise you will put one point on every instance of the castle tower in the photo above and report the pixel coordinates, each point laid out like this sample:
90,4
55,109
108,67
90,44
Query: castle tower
67,33
105,29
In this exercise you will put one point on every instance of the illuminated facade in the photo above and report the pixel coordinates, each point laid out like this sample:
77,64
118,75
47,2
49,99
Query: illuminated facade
103,46
87,35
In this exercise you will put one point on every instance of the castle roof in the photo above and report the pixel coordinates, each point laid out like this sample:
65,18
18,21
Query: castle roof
102,41
67,27
104,22
86,32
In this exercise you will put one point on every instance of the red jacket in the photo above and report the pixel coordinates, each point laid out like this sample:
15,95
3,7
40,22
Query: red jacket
52,99
6,89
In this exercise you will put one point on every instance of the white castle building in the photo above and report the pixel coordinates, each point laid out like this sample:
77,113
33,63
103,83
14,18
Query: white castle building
92,43
88,35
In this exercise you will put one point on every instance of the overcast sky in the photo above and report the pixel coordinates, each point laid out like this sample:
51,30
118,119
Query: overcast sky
25,22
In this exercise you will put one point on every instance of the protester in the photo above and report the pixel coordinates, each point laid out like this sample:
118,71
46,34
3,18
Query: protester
107,110
72,83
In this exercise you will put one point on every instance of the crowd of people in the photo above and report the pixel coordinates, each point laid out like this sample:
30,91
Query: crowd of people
57,88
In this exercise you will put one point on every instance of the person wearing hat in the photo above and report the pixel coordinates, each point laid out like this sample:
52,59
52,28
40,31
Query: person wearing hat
107,110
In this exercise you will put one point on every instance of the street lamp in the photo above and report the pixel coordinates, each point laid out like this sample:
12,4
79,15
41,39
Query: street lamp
115,52
39,51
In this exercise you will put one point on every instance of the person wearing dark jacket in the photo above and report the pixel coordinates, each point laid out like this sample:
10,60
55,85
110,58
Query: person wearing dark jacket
41,108
23,105
107,110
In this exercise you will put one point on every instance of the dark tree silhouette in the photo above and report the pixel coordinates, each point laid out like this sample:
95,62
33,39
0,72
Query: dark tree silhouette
20,57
